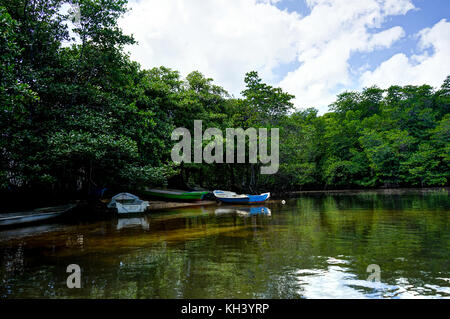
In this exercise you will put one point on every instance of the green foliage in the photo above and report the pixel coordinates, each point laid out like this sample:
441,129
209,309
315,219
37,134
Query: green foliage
83,114
80,114
264,104
429,165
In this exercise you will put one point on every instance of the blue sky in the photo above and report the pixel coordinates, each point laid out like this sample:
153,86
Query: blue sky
313,49
426,14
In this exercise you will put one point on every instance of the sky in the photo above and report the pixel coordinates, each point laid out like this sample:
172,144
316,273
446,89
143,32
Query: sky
313,49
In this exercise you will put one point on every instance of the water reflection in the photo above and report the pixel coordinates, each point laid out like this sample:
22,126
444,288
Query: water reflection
315,246
131,222
244,211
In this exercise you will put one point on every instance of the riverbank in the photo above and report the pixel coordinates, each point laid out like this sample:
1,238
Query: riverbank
160,205
276,197
163,205
96,205
381,191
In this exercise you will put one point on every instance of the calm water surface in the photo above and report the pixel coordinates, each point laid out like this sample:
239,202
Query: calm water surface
314,246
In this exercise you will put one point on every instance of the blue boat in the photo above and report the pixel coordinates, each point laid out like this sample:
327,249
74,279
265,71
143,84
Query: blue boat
233,198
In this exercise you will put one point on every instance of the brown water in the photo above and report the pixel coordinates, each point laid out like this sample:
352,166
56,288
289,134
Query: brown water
315,246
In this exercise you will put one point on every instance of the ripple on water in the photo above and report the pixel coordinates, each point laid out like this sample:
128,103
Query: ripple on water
338,281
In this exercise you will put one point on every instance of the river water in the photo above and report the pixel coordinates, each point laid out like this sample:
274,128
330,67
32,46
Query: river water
313,246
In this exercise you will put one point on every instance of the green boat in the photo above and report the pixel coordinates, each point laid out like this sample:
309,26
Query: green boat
175,194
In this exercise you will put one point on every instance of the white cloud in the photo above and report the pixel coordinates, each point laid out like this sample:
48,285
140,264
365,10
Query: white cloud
224,39
385,38
328,36
419,69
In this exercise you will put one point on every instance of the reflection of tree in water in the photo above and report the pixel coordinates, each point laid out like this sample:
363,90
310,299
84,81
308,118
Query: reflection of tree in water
12,259
11,266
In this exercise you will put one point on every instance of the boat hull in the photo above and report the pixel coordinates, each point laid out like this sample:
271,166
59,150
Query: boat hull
232,198
34,216
172,195
126,203
131,208
241,200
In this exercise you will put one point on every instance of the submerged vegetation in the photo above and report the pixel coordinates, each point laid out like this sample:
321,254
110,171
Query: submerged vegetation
78,115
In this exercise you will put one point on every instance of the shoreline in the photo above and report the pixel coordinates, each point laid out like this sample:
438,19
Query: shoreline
381,191
163,205
275,197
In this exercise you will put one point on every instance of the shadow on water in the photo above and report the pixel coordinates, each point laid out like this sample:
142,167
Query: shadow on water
314,246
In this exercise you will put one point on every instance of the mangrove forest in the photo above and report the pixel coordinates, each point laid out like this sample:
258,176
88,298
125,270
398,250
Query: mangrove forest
77,114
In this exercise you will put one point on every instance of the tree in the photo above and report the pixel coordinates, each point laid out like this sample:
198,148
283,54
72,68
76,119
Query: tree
264,103
429,165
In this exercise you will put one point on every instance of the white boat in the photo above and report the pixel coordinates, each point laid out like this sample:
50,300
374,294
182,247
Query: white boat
126,203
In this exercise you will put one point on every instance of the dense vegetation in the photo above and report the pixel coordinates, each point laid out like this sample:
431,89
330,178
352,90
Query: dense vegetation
78,115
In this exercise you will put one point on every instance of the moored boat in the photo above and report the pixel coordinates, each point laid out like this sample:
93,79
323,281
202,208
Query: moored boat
126,203
174,194
233,198
36,215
